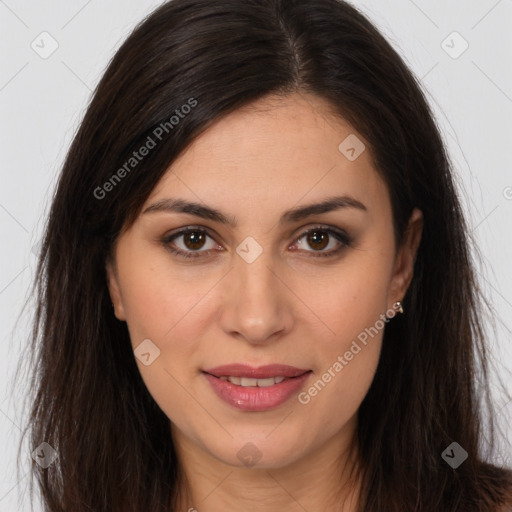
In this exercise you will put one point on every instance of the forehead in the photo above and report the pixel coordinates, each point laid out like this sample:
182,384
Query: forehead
278,151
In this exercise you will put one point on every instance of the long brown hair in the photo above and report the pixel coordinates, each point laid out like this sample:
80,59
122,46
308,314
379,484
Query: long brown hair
114,446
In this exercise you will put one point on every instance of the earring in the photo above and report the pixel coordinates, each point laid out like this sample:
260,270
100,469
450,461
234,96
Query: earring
398,305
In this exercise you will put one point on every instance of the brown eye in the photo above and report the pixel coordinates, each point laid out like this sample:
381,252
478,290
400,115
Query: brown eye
190,243
318,240
194,240
315,240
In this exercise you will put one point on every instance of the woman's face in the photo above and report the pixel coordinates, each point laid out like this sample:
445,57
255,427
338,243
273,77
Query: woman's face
256,289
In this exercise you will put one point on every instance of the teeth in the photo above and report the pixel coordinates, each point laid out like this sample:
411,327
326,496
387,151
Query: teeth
245,381
250,382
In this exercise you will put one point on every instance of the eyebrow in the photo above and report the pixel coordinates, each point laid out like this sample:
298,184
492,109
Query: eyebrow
293,215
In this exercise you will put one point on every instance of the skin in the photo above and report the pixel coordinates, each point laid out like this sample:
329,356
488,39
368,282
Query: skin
287,306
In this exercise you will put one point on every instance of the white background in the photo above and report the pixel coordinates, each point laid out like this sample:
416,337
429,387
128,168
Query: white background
42,101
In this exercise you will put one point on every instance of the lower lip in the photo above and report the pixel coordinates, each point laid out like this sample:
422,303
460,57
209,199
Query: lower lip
255,398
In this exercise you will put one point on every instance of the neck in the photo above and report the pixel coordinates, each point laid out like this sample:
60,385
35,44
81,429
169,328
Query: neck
325,479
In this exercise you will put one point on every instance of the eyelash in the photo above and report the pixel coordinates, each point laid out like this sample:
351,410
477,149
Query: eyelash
341,236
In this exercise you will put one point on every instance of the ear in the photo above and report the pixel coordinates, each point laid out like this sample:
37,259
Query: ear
114,291
406,255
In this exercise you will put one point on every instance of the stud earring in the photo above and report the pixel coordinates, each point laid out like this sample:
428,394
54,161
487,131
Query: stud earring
398,306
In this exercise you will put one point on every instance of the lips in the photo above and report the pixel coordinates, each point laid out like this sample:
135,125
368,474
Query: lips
255,392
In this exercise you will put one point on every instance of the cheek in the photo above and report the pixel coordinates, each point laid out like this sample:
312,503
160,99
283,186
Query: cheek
159,300
170,309
353,307
352,298
334,396
172,319
347,360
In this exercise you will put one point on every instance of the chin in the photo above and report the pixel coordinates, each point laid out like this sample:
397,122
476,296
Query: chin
250,452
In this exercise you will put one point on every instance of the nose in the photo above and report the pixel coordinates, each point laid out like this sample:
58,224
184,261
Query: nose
257,303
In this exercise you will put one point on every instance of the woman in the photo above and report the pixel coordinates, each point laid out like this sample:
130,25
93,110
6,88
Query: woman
255,288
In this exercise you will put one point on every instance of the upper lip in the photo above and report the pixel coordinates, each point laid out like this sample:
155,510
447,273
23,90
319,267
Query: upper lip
261,372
